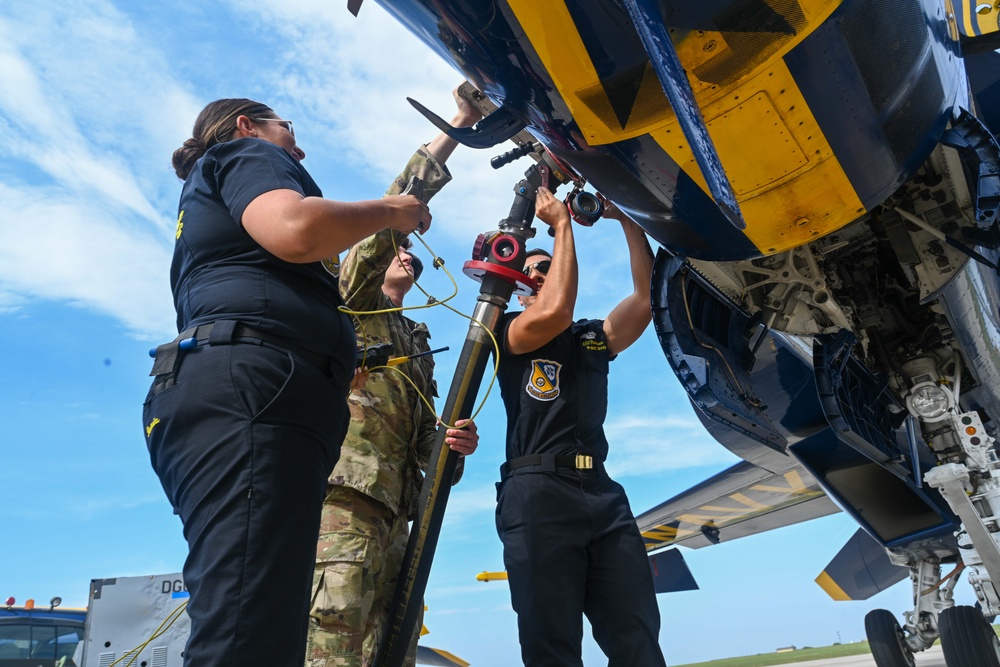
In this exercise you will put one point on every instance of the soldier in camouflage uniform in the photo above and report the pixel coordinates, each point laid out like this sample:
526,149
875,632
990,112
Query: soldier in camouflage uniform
373,489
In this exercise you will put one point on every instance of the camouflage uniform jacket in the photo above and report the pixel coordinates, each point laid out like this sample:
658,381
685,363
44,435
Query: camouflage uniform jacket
391,432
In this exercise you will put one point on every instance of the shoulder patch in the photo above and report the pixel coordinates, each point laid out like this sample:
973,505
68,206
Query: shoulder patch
544,382
332,265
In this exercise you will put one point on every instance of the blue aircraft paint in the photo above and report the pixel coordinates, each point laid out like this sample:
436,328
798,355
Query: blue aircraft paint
882,119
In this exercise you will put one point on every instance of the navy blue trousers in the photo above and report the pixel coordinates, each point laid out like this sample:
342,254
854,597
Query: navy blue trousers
572,547
243,443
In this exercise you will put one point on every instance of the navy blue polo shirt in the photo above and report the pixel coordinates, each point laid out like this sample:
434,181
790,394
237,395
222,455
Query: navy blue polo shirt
556,397
220,273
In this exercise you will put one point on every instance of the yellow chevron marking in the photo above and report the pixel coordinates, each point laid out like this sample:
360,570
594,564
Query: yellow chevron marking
976,18
550,28
554,36
662,535
691,522
827,583
726,512
795,485
744,500
789,184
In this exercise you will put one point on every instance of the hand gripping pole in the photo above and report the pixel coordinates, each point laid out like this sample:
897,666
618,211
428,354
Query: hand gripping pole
499,257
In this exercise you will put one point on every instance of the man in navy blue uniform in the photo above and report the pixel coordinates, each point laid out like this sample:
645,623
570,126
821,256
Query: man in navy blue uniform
571,544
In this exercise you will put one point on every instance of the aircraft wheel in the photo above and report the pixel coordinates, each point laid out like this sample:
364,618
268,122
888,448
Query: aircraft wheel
967,639
885,638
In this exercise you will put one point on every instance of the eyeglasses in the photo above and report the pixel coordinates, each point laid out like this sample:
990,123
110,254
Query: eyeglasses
542,266
287,124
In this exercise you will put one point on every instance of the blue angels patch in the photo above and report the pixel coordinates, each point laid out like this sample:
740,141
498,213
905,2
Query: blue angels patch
332,266
544,382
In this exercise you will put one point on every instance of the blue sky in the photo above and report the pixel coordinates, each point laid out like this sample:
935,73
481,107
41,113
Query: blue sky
94,98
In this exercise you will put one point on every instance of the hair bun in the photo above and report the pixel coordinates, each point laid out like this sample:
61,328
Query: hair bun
185,156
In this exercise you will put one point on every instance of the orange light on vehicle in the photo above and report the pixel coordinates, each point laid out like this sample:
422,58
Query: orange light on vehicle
29,603
971,430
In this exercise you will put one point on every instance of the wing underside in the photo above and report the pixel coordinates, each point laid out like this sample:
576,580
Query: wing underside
739,501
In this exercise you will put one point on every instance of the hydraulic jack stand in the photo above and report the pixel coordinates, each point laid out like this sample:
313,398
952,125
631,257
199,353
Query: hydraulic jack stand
498,258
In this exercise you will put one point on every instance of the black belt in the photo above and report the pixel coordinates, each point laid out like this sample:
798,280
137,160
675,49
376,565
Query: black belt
551,462
227,332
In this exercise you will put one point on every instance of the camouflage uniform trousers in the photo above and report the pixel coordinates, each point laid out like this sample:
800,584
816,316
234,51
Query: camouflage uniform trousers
358,558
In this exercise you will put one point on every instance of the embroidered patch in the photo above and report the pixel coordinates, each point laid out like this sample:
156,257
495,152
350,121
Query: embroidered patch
588,341
544,382
332,265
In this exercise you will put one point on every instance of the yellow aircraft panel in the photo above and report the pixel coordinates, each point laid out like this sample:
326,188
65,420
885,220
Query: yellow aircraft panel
768,140
777,159
716,67
977,18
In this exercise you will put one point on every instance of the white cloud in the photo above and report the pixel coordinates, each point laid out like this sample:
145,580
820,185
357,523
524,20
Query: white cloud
64,249
649,445
84,97
470,503
92,115
352,77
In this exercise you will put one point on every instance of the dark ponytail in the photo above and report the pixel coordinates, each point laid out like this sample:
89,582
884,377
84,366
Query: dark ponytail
215,124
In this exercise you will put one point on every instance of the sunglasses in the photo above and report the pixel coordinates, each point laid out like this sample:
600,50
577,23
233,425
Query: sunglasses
287,124
542,266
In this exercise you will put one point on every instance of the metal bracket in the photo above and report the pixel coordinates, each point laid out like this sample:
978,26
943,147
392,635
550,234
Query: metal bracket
498,127
980,155
648,23
952,480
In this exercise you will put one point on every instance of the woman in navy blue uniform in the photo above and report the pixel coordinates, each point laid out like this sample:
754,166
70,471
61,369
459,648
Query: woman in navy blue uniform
247,410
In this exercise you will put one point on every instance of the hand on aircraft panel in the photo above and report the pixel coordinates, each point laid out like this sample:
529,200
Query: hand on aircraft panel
464,439
611,212
467,114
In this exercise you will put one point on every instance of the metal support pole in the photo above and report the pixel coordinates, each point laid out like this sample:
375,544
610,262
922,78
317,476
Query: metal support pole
498,266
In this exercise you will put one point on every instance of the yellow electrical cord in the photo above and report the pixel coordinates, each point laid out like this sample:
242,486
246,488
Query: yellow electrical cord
432,302
132,654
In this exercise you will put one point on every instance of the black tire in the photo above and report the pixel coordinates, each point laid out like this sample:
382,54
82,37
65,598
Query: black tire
885,638
967,639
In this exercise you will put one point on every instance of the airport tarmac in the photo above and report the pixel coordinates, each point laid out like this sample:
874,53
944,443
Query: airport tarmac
932,657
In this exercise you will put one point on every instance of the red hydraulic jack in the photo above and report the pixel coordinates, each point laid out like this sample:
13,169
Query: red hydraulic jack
497,260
